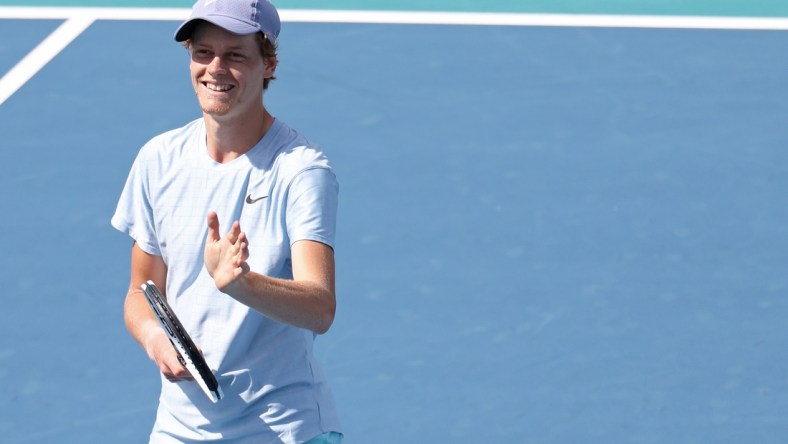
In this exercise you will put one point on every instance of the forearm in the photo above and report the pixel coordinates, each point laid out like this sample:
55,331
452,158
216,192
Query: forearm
140,320
307,301
304,304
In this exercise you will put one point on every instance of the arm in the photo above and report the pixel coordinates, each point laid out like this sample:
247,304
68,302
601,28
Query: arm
140,319
307,301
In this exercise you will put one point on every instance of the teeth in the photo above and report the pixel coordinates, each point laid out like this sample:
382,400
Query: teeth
219,88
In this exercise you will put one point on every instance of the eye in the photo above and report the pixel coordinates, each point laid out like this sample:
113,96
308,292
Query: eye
201,53
237,56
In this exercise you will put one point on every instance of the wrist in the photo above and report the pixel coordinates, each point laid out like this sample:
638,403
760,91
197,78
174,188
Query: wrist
149,334
238,286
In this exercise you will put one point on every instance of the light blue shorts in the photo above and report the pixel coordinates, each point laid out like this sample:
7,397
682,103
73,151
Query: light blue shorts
326,438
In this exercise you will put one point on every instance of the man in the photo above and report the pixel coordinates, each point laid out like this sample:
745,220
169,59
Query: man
254,297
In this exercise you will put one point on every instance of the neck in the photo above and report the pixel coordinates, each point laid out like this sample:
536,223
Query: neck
229,138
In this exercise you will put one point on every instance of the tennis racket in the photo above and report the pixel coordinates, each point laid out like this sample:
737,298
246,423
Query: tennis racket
188,355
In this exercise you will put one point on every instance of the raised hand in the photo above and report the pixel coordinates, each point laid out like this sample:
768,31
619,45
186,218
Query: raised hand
225,257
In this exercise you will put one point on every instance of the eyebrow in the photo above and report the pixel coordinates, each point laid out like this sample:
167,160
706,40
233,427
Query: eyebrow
229,48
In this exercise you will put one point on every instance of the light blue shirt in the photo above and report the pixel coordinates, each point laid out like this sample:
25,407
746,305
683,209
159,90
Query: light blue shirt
281,191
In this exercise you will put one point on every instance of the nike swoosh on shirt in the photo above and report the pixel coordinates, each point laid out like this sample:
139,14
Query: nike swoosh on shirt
249,199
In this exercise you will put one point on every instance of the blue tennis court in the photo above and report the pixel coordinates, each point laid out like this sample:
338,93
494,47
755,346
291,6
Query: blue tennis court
547,234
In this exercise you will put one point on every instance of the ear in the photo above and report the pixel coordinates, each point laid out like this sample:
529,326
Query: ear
270,67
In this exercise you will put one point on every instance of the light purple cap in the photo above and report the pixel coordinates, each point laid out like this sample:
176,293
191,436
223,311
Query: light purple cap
241,17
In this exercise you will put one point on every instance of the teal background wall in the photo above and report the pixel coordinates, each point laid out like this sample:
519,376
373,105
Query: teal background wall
748,8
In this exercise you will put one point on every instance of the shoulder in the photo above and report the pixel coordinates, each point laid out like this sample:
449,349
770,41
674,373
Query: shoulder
167,148
173,142
297,153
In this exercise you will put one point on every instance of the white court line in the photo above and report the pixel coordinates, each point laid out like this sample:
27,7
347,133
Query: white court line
78,19
41,55
418,17
59,13
519,19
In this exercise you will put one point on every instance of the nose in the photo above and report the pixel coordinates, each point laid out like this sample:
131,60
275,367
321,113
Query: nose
216,66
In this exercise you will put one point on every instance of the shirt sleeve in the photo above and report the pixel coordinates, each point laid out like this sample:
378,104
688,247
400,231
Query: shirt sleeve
312,202
134,213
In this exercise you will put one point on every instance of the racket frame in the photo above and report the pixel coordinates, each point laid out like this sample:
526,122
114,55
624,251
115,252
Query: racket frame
189,355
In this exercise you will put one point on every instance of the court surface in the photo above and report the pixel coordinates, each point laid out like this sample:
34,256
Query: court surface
547,234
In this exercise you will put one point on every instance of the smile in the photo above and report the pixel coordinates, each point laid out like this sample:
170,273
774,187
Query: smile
218,88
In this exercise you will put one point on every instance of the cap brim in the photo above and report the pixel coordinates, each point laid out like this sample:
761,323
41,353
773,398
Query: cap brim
229,24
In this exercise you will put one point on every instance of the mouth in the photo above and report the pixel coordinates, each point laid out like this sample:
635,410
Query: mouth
218,87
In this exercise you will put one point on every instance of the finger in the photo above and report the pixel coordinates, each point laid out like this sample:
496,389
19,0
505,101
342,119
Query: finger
243,246
213,226
240,251
176,371
173,378
244,251
235,231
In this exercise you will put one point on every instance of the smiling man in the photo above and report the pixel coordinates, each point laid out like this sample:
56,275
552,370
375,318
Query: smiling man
252,297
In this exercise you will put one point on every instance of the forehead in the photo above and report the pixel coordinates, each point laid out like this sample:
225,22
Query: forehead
206,33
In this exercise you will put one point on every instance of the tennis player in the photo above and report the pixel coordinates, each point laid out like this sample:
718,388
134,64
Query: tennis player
233,216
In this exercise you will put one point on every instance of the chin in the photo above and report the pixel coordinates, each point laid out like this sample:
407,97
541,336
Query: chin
215,109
